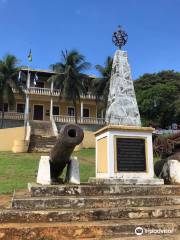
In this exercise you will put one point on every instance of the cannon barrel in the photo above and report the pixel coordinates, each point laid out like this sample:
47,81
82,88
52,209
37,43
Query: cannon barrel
70,135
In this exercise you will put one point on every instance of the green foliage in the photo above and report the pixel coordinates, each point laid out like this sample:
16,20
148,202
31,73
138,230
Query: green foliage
17,169
8,79
69,78
101,85
158,97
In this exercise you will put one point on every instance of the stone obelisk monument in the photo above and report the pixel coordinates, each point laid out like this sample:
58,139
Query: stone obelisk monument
124,151
122,105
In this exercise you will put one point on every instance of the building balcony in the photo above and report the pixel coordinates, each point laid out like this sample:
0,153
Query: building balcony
57,118
80,120
13,115
48,92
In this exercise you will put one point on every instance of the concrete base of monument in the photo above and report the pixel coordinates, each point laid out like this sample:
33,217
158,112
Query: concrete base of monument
128,181
124,155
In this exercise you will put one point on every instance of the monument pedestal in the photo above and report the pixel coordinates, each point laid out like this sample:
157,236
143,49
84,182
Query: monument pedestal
124,155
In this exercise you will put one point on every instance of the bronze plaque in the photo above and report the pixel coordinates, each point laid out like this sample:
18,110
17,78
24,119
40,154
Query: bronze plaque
131,156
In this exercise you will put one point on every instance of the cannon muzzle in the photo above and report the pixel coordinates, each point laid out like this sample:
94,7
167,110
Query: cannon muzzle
70,135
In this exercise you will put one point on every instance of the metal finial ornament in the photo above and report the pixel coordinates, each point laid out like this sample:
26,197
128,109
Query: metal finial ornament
119,37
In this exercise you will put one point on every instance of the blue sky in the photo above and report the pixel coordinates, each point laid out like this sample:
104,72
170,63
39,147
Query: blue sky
49,26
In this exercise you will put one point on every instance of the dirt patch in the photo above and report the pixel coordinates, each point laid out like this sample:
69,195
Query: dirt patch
5,199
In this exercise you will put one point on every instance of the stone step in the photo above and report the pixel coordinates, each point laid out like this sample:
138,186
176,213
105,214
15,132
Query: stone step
93,201
46,144
96,214
142,181
41,144
123,229
40,124
145,237
98,190
47,131
43,141
42,136
40,150
37,138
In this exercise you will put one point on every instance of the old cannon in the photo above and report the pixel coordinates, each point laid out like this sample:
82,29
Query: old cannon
167,148
70,135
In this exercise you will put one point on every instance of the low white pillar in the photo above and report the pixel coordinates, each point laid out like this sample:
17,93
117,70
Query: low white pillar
174,170
44,176
72,175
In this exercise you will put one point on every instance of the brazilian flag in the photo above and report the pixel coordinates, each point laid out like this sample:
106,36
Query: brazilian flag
30,56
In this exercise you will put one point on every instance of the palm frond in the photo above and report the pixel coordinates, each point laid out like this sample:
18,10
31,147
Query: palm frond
9,78
83,66
100,69
72,81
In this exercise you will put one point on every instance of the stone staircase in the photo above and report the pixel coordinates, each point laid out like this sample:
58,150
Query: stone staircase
93,211
42,136
41,144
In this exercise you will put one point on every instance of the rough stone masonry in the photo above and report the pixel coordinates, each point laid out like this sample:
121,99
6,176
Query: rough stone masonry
122,106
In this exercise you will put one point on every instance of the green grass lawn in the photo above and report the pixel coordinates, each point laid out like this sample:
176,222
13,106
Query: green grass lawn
16,170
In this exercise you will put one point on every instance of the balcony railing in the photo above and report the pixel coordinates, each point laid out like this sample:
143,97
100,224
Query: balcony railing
40,91
57,118
48,92
84,120
13,115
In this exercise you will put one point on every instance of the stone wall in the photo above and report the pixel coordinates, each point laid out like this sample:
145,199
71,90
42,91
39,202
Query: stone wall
8,123
85,127
9,135
89,137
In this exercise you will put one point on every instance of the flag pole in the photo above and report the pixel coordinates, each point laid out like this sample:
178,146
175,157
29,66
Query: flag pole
26,119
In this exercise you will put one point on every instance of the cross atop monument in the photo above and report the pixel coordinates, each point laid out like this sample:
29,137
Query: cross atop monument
119,37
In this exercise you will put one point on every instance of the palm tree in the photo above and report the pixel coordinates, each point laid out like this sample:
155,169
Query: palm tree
101,84
69,77
8,80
